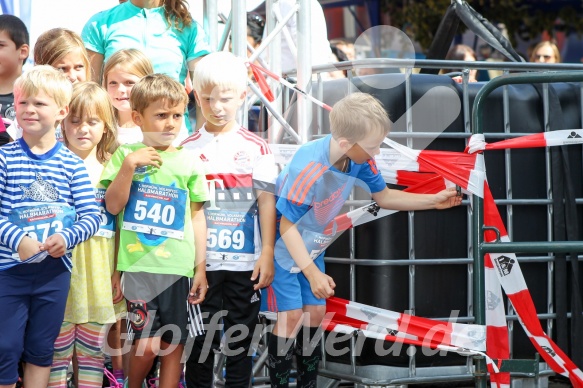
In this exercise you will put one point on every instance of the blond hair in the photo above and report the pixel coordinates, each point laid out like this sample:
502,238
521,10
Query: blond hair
53,45
155,87
132,61
220,69
88,100
356,116
46,79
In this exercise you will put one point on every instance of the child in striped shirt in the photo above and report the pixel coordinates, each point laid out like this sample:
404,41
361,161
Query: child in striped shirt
47,207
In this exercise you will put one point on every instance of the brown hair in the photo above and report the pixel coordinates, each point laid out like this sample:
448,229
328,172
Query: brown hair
177,14
156,87
458,53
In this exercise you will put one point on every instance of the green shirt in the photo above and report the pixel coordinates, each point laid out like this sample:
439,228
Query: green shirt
156,233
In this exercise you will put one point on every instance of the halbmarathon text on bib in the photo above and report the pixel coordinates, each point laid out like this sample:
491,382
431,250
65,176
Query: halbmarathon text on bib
230,235
155,209
40,222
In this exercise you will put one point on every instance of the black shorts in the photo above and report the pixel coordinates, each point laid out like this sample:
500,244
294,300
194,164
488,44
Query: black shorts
158,306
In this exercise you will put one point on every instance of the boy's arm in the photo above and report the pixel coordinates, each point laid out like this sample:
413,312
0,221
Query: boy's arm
321,284
402,200
118,191
16,239
199,284
264,266
11,235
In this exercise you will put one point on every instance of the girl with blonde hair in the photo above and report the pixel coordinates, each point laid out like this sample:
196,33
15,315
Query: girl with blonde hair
90,132
63,49
121,72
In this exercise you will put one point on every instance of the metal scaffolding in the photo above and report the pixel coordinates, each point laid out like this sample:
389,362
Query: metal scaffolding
278,127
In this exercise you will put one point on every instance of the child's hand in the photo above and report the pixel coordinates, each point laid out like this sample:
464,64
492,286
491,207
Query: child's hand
447,198
263,269
321,284
145,157
116,287
199,288
56,246
29,247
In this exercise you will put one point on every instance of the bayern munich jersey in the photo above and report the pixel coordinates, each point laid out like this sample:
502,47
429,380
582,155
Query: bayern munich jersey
311,193
237,163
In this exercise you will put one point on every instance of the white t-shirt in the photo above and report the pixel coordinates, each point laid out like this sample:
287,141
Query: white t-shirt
236,163
133,135
129,135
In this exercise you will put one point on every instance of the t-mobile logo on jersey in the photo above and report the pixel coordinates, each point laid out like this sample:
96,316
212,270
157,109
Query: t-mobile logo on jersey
212,183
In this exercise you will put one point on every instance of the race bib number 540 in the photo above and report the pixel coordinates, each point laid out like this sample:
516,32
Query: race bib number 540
155,209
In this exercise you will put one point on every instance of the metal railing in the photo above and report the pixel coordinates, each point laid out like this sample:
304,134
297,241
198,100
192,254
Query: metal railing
476,248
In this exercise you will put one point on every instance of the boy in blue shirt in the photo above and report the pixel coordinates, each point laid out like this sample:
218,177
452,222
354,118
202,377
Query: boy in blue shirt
311,191
47,206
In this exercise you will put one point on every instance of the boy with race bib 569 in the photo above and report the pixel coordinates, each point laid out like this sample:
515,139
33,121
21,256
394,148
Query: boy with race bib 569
240,214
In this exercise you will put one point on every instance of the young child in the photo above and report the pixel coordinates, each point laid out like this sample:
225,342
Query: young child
311,191
168,35
241,171
90,132
121,72
158,191
48,207
62,49
14,51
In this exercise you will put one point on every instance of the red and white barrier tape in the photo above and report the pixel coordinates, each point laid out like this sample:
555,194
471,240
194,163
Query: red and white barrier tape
478,143
469,173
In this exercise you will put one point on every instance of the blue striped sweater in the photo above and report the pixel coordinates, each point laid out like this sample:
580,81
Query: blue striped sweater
28,180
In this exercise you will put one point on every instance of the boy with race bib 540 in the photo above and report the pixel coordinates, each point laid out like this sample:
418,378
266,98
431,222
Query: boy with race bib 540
158,191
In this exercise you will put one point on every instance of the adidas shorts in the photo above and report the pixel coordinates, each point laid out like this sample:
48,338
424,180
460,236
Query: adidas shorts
158,307
290,291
